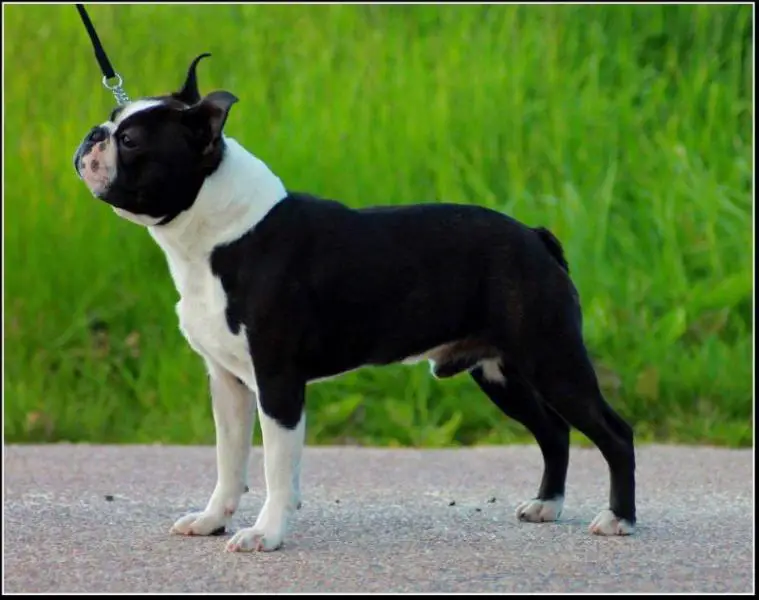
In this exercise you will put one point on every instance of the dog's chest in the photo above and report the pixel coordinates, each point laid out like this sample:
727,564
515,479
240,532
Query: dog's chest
203,321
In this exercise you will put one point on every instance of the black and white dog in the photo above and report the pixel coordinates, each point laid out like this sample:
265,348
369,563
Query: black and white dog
278,289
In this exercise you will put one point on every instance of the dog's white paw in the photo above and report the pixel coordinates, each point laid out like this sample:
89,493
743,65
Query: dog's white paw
267,534
607,523
540,511
256,539
200,523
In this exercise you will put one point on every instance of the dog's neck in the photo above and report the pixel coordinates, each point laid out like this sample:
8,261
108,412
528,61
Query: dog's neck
231,201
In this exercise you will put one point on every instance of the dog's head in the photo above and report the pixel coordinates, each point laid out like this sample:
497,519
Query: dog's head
151,157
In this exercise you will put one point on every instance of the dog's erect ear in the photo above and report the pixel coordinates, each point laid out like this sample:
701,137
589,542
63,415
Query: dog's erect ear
207,118
218,105
189,93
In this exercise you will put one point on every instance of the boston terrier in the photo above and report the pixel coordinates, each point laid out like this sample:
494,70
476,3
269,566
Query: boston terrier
279,288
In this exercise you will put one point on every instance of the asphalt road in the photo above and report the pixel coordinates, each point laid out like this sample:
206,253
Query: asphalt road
81,518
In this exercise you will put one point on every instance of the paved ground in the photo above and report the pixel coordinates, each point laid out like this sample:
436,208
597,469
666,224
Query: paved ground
375,521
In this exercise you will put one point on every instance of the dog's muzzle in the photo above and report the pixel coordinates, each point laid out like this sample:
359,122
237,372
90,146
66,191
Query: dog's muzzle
97,135
95,160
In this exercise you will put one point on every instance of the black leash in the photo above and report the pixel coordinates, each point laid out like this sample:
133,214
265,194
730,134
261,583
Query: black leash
102,58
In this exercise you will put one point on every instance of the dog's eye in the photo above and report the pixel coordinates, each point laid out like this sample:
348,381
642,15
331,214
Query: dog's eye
126,141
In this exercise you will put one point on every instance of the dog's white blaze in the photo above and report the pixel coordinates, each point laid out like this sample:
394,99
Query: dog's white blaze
283,449
134,107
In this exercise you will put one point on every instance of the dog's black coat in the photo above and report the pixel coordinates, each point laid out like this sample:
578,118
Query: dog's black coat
347,288
325,289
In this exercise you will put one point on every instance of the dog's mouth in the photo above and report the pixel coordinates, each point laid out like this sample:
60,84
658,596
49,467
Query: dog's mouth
97,182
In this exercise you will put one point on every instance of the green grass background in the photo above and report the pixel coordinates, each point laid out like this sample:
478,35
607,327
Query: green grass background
627,130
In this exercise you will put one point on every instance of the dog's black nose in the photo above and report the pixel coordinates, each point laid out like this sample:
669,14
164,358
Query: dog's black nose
98,134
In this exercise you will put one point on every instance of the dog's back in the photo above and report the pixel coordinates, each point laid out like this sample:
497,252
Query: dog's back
464,278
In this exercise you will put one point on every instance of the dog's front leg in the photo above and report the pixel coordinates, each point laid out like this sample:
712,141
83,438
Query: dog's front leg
283,426
234,415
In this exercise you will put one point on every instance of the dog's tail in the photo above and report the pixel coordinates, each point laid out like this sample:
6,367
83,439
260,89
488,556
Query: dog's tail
552,243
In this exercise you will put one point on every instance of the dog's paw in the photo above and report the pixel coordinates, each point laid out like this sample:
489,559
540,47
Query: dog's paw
256,539
200,523
540,511
267,534
607,523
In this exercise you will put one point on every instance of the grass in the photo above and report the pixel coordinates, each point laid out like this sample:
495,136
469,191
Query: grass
627,130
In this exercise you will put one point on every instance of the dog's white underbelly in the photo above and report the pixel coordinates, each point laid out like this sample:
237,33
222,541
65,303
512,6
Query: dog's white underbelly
203,322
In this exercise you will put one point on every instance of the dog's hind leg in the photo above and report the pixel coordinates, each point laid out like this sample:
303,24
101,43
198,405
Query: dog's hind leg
234,414
566,379
518,400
